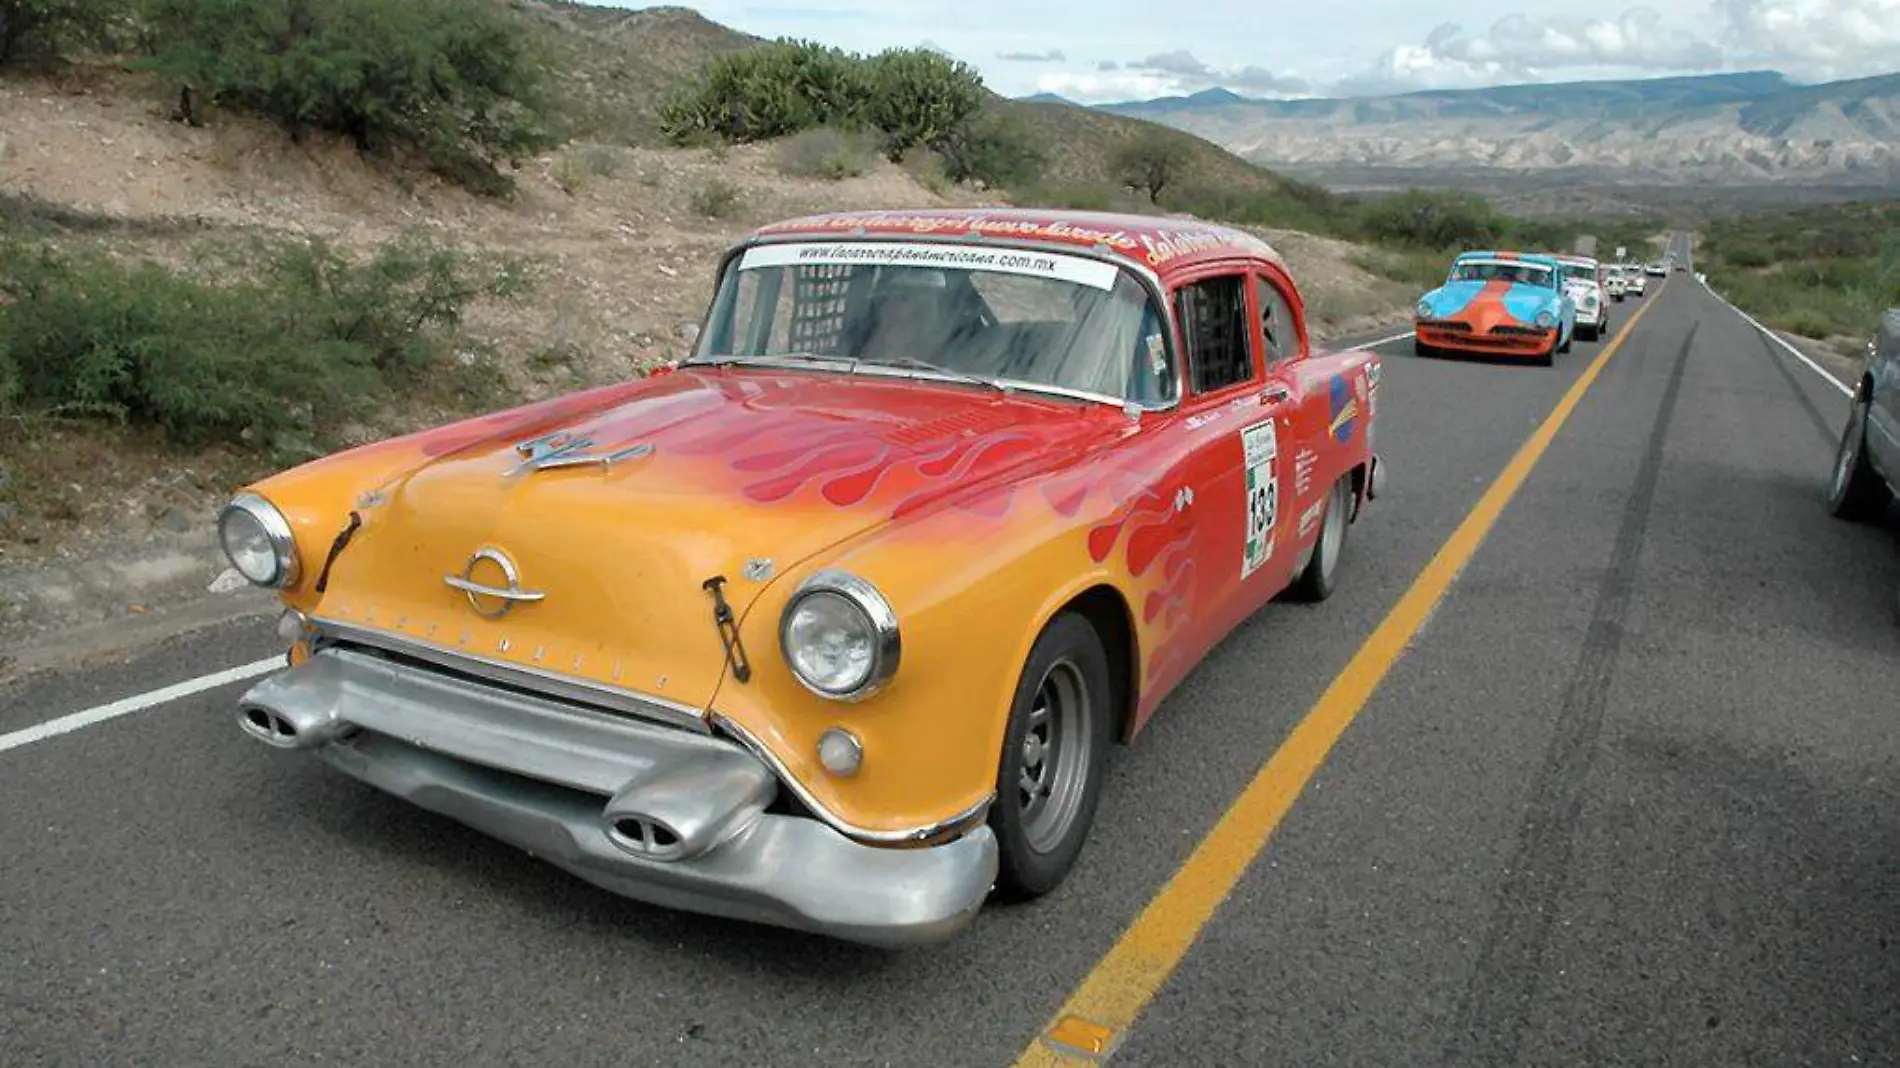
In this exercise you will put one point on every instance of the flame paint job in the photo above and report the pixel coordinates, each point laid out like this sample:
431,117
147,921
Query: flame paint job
978,515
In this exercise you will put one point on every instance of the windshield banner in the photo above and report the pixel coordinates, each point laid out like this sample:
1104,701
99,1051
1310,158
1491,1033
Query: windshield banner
1093,273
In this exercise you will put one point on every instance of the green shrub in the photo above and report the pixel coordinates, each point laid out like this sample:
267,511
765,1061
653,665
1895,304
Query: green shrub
994,149
452,80
581,164
717,199
1151,162
920,98
826,152
271,345
1425,269
52,28
1068,197
1432,219
769,91
914,98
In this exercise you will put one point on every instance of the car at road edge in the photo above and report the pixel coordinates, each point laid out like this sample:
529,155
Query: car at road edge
1866,467
833,624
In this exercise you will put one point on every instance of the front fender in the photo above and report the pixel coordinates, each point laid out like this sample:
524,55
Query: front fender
973,584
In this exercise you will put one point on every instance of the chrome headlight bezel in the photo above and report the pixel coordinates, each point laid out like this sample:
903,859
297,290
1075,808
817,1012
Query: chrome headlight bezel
275,529
880,621
1423,309
1546,320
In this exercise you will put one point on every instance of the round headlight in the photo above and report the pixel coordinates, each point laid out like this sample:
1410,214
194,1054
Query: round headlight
840,636
257,540
1424,309
1546,320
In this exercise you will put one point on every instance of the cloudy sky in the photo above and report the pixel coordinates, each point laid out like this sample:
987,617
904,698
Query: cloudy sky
1122,49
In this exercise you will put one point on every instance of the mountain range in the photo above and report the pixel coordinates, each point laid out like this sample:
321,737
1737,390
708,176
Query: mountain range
1750,128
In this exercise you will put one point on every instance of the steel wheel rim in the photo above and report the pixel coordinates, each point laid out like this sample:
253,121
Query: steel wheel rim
1850,447
1332,536
1055,756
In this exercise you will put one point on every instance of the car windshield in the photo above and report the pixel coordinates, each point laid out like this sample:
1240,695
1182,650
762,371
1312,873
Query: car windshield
1026,319
1523,274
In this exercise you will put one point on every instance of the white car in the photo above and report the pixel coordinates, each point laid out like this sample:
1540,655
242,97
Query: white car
1656,270
1583,277
1635,279
1615,284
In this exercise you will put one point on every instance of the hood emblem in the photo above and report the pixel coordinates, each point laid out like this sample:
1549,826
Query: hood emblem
491,601
760,568
562,449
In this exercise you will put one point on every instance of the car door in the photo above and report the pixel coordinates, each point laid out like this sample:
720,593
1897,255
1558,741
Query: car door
1234,415
1301,415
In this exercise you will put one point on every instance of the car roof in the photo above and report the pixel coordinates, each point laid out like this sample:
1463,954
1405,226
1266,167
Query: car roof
1159,244
1532,258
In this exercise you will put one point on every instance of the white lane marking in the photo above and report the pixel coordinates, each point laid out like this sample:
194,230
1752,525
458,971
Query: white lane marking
1845,389
137,703
1389,340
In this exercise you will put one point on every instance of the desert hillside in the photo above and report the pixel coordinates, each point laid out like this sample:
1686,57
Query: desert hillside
617,238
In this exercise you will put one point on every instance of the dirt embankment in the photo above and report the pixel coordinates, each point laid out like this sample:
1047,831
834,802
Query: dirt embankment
625,258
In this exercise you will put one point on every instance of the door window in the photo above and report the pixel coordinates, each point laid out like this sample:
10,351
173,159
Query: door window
1213,315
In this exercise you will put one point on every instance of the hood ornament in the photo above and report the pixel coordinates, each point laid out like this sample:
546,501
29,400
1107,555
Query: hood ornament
562,449
488,600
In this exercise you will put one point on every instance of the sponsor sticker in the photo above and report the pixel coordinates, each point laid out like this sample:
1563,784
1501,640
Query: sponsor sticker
1310,517
1345,410
1260,444
1080,270
1303,463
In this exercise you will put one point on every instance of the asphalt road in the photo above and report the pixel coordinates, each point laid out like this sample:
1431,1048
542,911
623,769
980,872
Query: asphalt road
1631,796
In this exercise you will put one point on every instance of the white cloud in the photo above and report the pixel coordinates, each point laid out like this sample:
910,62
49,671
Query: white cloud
1809,39
1816,39
1054,55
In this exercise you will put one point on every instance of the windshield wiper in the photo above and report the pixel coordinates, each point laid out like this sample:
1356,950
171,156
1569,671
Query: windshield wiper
947,372
767,358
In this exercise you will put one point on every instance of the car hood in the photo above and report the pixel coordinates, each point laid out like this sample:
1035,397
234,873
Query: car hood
734,473
1486,304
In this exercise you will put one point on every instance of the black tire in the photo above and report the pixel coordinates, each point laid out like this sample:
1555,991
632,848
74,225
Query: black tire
1548,358
1856,491
1592,335
1038,844
1317,580
1569,341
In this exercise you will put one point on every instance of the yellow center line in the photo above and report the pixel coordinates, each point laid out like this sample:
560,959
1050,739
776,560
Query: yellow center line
1097,1016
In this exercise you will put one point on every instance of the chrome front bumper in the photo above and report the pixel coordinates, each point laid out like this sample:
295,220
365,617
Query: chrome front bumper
652,813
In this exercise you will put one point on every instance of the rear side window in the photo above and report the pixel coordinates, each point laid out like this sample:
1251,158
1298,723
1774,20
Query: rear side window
1280,341
1213,315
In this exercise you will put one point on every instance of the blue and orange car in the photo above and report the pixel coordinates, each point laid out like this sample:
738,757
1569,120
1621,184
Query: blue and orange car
1507,304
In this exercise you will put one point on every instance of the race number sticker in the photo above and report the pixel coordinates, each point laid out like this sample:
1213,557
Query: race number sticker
1260,445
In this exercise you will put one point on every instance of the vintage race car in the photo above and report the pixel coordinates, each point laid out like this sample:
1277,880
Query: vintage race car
1583,277
1615,284
833,625
1498,303
1635,279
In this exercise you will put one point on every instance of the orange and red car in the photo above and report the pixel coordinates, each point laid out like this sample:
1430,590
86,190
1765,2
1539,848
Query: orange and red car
1507,304
833,625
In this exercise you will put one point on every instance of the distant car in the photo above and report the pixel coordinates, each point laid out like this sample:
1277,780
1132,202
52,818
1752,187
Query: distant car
1501,304
1634,279
1656,270
1867,464
1584,278
1615,284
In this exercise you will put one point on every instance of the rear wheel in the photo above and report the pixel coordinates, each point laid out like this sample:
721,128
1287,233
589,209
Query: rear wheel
1317,580
1049,778
1856,491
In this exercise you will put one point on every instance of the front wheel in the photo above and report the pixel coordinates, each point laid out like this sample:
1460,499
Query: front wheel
1316,581
1856,491
1055,751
